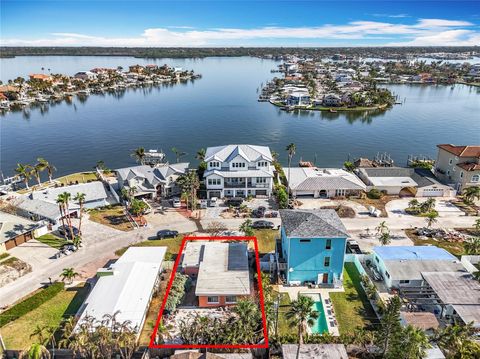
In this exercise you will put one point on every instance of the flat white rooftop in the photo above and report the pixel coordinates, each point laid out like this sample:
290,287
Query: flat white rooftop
393,181
223,268
126,287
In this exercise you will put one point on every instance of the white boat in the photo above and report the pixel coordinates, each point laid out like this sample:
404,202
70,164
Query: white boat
83,92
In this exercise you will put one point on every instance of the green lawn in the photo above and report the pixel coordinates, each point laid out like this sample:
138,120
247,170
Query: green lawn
352,308
266,239
172,244
284,327
53,241
81,177
66,303
4,255
112,216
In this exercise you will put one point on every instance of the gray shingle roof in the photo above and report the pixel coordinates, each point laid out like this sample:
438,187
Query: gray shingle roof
319,223
153,175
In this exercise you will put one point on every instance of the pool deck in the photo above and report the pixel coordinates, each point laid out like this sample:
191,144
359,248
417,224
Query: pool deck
324,293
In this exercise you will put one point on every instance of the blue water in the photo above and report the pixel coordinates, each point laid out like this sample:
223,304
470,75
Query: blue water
222,108
320,326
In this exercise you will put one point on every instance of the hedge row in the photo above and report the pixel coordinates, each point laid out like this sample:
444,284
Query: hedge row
30,303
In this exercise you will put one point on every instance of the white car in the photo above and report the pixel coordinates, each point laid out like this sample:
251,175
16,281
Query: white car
213,202
176,202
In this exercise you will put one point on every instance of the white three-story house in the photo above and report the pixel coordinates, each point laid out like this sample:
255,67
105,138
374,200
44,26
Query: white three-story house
238,171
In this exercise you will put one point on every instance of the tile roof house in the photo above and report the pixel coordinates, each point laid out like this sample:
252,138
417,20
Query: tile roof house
221,270
312,247
323,182
458,166
153,182
418,182
238,171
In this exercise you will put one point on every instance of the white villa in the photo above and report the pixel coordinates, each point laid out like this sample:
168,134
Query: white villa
238,171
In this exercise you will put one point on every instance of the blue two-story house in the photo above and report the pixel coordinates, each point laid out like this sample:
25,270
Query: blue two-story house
312,247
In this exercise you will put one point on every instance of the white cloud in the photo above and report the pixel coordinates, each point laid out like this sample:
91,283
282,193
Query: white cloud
423,32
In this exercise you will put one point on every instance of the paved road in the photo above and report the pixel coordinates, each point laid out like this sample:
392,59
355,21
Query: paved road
101,242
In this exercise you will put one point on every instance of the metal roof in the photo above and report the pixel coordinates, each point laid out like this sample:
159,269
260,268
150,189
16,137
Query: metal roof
226,153
413,253
318,223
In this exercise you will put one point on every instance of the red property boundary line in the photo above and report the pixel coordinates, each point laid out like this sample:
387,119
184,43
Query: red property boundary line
213,346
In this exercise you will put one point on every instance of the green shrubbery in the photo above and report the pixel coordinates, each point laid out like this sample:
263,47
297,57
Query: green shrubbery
30,303
180,284
282,196
374,194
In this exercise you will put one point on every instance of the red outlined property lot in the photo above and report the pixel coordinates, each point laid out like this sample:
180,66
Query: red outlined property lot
216,346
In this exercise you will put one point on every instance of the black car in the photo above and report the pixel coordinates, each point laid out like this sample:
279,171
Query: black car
259,212
262,225
65,231
166,233
234,202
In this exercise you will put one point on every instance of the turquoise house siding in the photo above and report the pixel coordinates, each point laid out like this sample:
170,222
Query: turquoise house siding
306,258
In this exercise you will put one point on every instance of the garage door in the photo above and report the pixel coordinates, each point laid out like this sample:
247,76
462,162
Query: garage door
305,194
433,192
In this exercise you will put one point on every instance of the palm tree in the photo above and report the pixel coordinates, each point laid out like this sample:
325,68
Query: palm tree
301,314
200,154
24,172
139,155
471,193
246,228
61,207
35,351
457,341
291,152
383,234
69,274
414,342
472,246
39,332
36,170
178,154
189,185
80,198
431,218
47,166
66,197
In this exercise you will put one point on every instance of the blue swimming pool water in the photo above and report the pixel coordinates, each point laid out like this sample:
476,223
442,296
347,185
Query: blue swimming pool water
320,326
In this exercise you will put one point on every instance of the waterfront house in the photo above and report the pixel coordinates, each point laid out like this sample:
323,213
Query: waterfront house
238,171
323,182
406,182
458,166
220,271
85,75
402,266
15,230
41,77
136,69
332,100
125,288
152,182
312,247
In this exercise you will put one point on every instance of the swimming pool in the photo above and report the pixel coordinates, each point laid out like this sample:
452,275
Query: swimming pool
320,326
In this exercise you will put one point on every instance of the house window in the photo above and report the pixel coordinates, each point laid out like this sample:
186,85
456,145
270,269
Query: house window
215,164
340,192
261,180
230,299
404,281
238,164
214,181
387,274
475,178
262,164
461,174
326,262
212,300
304,240
329,244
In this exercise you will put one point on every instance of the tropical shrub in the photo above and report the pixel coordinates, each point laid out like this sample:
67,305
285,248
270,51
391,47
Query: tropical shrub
374,194
180,284
282,196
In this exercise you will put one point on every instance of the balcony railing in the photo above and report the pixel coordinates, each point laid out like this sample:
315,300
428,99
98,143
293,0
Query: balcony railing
245,185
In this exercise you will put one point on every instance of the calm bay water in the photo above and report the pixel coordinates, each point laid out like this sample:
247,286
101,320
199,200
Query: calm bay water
221,108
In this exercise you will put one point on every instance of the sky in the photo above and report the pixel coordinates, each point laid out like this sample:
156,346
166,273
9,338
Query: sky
201,23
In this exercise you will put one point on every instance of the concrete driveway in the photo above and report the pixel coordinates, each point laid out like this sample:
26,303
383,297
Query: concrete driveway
444,206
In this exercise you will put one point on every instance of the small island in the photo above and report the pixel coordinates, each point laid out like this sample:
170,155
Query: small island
43,88
322,86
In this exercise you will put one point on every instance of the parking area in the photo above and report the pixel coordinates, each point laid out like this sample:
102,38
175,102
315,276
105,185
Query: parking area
215,212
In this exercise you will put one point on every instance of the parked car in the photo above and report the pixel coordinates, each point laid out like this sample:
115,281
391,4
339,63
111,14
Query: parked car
353,247
262,225
65,231
213,202
166,233
259,212
234,202
176,202
203,203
